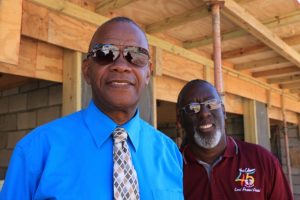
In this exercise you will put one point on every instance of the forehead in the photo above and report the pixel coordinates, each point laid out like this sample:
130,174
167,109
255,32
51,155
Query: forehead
120,33
199,92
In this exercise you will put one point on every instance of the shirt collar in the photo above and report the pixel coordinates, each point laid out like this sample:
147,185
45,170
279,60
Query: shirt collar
230,151
101,126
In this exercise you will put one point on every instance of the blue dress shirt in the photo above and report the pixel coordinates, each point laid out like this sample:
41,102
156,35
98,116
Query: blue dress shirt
72,158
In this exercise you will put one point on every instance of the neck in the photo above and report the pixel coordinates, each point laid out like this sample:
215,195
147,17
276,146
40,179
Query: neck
118,115
209,155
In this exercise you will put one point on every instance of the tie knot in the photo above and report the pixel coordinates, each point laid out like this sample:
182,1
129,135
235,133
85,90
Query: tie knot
119,135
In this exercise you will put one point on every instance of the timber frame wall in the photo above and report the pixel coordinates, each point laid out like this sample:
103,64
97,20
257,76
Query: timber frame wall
38,33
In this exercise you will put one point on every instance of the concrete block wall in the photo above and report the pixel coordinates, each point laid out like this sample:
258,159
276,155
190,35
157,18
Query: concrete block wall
24,108
294,148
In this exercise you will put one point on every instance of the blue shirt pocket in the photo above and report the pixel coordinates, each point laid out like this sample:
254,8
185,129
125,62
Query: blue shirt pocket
167,194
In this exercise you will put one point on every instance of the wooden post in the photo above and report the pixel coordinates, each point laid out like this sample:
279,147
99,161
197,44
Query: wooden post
71,82
286,143
250,121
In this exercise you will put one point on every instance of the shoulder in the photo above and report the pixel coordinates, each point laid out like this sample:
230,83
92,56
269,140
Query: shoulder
255,151
61,126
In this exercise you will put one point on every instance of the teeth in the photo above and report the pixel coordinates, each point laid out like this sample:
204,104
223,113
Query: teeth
206,126
119,83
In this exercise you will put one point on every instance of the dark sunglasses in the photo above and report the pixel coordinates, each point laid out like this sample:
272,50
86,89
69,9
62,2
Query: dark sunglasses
195,107
105,54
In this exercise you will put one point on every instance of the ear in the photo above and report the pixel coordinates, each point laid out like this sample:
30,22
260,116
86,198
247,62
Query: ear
86,71
148,73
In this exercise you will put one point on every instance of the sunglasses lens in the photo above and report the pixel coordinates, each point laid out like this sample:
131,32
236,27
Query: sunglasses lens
213,104
192,108
106,54
136,55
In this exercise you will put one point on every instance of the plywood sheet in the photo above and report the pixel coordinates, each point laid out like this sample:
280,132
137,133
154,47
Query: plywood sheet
10,29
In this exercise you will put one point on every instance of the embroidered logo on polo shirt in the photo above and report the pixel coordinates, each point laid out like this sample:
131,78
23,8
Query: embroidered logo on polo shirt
246,181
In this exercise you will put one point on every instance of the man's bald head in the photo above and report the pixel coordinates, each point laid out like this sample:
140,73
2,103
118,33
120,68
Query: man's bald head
114,20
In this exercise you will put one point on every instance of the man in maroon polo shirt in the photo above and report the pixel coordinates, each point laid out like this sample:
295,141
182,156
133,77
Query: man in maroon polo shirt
216,166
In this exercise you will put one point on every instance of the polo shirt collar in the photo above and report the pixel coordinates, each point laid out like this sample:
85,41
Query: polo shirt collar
101,126
231,150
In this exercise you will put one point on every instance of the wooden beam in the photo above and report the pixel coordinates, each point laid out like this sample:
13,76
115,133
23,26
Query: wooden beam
37,60
285,79
270,23
242,18
295,85
171,22
108,5
292,41
72,10
295,90
10,30
71,82
283,71
261,63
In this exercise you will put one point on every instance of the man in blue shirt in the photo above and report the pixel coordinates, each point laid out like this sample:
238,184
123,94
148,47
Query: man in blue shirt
72,157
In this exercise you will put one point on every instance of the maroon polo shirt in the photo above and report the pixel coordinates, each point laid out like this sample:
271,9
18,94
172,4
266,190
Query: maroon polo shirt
245,171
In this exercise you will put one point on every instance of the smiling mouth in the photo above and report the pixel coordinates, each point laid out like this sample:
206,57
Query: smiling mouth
206,126
119,83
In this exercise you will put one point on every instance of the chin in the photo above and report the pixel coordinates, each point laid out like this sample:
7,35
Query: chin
208,141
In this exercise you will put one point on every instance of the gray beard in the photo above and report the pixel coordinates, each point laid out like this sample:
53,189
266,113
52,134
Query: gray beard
207,142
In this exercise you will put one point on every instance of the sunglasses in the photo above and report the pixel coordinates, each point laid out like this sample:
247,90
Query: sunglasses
104,54
195,107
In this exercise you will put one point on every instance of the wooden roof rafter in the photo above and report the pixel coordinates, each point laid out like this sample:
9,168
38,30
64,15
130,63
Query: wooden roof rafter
261,63
246,21
106,6
285,79
277,72
173,21
295,85
234,34
252,50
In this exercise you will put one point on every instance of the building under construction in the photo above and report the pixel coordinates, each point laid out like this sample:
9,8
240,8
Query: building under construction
249,49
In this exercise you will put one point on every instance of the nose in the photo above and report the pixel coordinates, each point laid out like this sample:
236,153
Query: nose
120,64
204,111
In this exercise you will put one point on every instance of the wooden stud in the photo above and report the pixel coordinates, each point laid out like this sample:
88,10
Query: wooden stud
71,82
250,129
157,61
206,73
